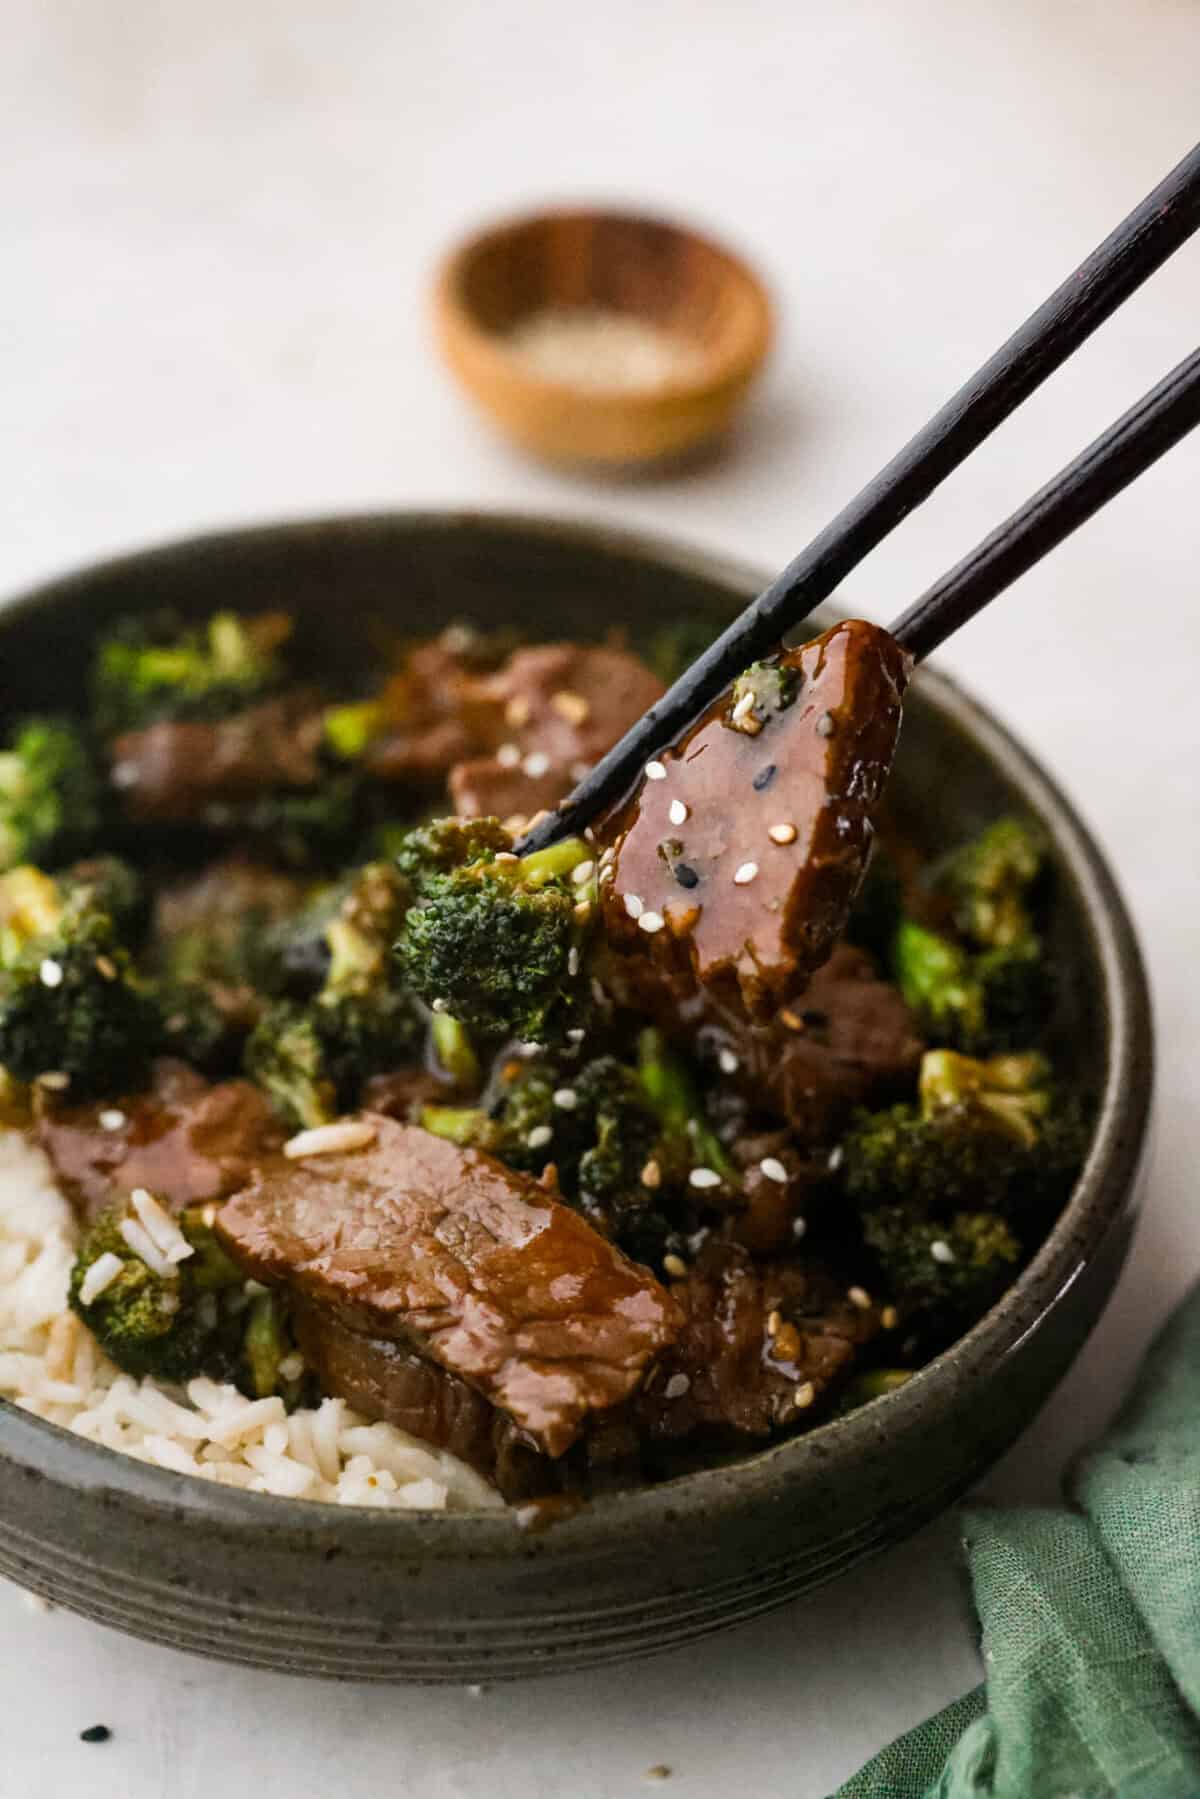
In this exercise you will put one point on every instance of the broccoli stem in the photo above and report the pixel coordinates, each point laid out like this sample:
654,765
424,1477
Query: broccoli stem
551,864
672,1092
457,1124
454,1050
264,1344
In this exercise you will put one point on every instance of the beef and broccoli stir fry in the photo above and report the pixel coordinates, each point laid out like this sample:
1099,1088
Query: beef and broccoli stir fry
583,1165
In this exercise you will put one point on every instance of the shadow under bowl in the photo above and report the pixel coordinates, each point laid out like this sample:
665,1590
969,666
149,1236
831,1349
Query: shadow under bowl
364,1595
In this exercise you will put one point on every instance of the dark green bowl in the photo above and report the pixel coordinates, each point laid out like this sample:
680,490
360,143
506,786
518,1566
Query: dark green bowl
358,1594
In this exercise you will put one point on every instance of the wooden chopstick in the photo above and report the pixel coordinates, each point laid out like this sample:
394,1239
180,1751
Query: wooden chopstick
1151,233
1117,457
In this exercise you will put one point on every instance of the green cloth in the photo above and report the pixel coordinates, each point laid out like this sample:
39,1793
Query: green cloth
1090,1619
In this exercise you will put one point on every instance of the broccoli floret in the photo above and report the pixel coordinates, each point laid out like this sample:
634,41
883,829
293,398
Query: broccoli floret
762,690
444,844
116,887
189,1321
686,1139
953,1189
351,729
301,828
313,1058
158,668
953,1269
50,795
988,883
499,944
71,1002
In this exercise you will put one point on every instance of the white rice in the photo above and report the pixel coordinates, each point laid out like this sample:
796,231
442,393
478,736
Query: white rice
50,1365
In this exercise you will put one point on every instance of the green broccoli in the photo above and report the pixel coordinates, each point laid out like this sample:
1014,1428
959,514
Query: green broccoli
147,669
676,646
312,1058
760,691
499,944
50,795
116,887
71,1002
983,986
686,1138
444,844
175,1319
300,828
948,1270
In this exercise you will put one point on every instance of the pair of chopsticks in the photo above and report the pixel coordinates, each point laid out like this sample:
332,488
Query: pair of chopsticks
1155,229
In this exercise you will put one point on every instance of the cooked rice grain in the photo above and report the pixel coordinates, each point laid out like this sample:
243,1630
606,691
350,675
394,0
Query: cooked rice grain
51,1366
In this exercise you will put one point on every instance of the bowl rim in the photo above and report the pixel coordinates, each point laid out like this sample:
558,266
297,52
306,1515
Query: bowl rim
733,364
1097,1200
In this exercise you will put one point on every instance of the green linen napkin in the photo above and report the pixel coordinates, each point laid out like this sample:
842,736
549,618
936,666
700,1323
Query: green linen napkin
1091,1622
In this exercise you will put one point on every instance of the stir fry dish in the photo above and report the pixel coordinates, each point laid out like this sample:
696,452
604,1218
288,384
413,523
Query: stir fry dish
583,1167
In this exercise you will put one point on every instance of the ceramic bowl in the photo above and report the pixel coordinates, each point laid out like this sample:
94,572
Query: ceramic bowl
356,1594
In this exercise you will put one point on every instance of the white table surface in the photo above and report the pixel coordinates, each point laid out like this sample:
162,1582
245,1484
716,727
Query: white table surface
216,229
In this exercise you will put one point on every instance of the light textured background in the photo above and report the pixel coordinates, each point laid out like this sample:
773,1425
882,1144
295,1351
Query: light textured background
217,225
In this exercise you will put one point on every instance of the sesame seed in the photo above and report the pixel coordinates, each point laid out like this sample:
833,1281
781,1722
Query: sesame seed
292,1366
50,973
514,824
652,1174
508,755
571,706
573,958
804,1395
566,1098
583,873
942,1252
106,968
125,774
744,708
651,922
536,763
704,1177
607,856
580,772
655,771
112,1120
782,833
799,1226
516,713
745,874
889,1318
505,856
539,1136
582,911
55,1081
858,1296
728,1062
675,1265
676,1387
836,1158
825,725
441,1005
686,875
764,777
677,812
774,1169
607,874
209,1216
774,1320
634,905
576,1034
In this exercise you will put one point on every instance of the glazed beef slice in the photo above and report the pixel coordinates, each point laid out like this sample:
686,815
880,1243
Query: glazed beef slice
450,1254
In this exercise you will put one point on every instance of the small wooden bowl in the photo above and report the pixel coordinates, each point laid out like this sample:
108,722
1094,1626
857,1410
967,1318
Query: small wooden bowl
684,285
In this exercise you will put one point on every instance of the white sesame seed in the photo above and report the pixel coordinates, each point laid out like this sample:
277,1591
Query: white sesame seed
209,1215
505,856
889,1318
106,968
836,1157
50,973
516,713
571,706
704,1177
581,911
607,855
572,960
745,874
655,771
566,1098
782,833
606,874
55,1081
508,755
583,873
539,1136
536,763
441,1005
677,812
774,1169
744,708
111,1119
576,1034
125,774
651,922
292,1366
634,905
652,1174
942,1252
99,1277
799,1226
858,1296
804,1395
774,1322
330,1139
675,1266
580,772
728,1062
676,1387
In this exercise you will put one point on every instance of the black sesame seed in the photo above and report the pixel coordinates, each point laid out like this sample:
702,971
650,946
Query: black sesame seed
764,777
686,875
95,1733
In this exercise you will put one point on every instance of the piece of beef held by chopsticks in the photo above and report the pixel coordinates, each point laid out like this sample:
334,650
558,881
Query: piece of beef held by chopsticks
739,856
